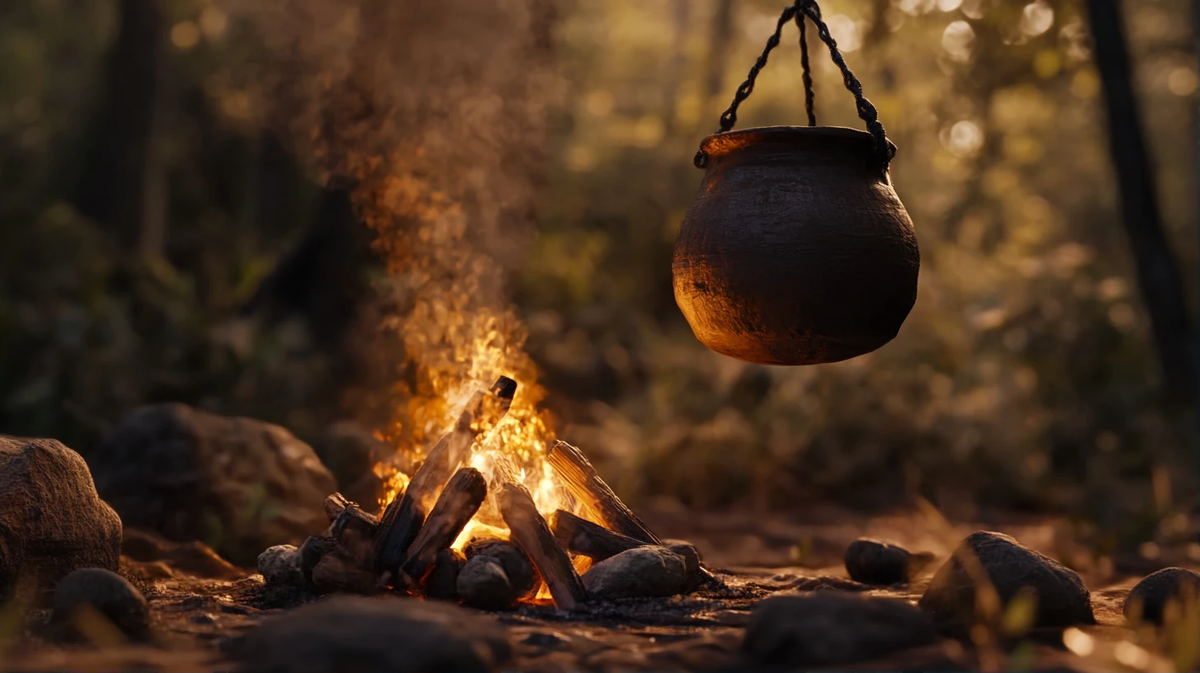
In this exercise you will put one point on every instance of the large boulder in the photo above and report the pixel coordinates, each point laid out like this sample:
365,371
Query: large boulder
831,628
368,635
1010,567
239,484
51,519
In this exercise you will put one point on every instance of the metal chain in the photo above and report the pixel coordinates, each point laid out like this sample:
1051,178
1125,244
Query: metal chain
866,111
806,76
729,116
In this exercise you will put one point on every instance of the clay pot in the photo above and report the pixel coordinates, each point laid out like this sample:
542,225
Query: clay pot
797,250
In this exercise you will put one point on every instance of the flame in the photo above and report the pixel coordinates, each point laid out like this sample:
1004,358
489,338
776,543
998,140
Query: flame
459,335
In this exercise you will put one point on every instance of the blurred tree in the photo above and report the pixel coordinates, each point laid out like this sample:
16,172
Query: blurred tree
1158,273
118,169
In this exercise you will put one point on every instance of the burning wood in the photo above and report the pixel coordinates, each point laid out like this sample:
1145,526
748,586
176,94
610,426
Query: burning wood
457,504
533,537
412,547
581,479
580,536
406,513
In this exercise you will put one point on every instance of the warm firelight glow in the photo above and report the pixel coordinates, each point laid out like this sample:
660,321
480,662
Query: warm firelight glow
461,344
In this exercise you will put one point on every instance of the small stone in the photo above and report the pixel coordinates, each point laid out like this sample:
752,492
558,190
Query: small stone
203,618
832,628
442,582
1062,598
691,560
516,565
51,519
107,593
637,573
1148,599
877,562
482,583
364,635
280,566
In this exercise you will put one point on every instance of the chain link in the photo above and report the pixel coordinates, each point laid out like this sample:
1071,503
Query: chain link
866,110
806,76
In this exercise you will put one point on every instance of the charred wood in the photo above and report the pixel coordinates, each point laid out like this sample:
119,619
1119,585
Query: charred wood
355,532
457,504
312,551
583,537
406,513
597,498
338,571
442,582
334,504
533,537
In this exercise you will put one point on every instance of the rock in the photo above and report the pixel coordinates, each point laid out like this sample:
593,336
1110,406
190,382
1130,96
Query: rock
193,558
636,573
691,560
1148,599
51,519
280,566
239,484
351,451
442,582
516,565
1062,598
107,593
877,562
482,583
832,628
364,635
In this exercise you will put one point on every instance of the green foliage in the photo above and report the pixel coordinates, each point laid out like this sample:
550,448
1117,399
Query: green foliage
1025,377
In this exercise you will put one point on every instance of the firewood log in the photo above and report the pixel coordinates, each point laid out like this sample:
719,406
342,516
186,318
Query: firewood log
405,515
334,504
580,478
355,531
459,501
533,537
583,537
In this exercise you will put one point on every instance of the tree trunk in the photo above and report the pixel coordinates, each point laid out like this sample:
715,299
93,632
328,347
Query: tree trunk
1158,273
114,183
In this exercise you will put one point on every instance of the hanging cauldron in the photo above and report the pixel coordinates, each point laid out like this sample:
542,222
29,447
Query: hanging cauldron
797,250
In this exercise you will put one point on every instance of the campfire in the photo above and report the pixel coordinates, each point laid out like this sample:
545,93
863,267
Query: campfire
467,526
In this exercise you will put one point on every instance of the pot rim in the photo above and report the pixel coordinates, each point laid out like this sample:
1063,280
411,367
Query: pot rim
719,144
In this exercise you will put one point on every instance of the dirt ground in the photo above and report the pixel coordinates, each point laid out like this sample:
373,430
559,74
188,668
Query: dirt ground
195,620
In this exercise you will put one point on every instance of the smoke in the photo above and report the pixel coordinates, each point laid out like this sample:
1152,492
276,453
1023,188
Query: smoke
432,113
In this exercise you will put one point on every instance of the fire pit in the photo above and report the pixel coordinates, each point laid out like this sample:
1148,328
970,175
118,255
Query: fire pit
467,527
